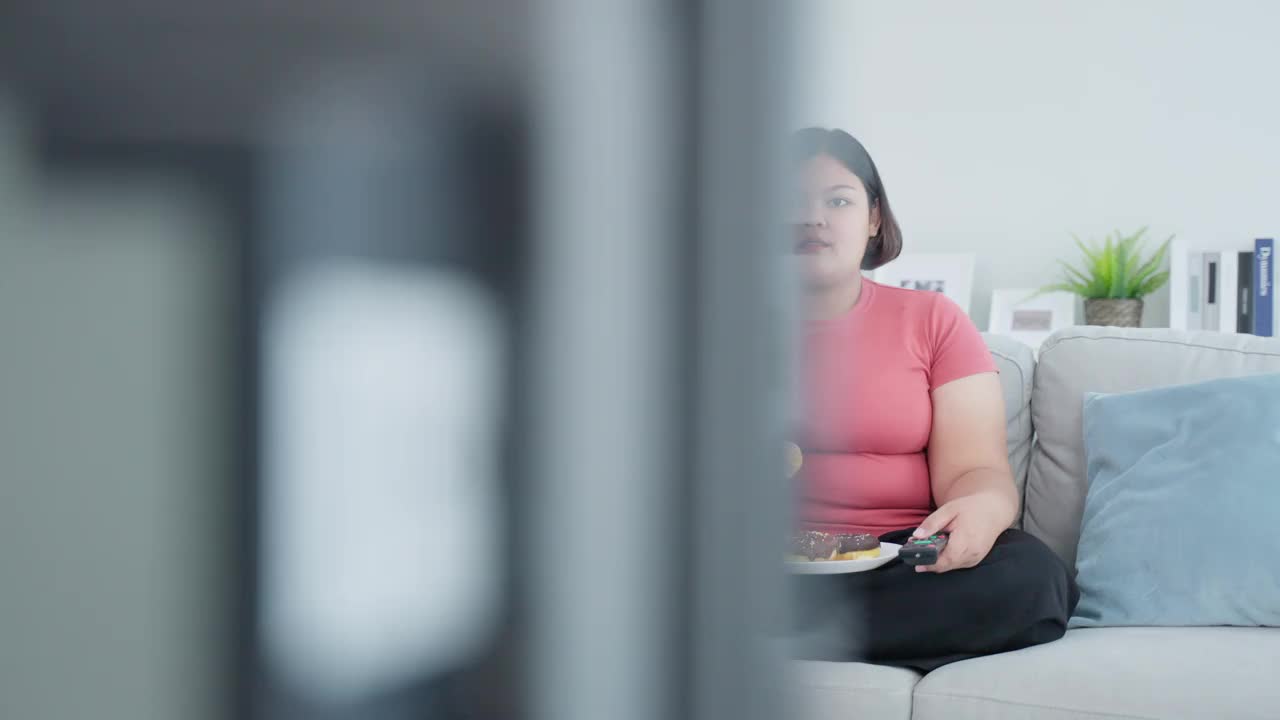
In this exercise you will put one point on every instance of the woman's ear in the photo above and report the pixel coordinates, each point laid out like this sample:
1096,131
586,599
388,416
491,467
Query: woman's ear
873,222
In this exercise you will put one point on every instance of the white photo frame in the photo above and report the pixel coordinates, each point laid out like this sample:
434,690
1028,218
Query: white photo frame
1030,318
948,273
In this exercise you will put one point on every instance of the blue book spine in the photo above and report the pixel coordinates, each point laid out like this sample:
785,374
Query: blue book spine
1263,287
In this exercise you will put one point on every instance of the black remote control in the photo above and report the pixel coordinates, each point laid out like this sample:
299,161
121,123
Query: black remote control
922,551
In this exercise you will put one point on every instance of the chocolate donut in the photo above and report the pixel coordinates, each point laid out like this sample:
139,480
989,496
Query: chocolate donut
857,546
812,545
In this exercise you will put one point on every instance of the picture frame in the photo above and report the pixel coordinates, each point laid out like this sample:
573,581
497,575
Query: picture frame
948,273
1030,318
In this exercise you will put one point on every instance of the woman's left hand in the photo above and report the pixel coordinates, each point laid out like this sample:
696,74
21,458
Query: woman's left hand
973,523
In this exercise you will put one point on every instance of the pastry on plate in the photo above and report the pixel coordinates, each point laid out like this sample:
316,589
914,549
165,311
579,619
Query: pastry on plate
795,459
857,546
818,546
812,546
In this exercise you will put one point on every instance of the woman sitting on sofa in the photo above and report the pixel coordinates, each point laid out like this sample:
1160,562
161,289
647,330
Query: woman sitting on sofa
904,435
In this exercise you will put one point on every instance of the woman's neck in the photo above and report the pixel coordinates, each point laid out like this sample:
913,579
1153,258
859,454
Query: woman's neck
833,301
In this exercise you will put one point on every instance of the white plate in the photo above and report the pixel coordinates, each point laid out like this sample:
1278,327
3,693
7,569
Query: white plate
888,551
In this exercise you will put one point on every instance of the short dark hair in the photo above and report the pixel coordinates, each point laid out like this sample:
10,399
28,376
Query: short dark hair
811,142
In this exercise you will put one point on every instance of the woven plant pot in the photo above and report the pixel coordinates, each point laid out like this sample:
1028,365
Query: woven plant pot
1117,312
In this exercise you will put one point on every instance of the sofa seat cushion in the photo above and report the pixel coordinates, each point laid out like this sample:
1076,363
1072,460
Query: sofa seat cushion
1115,673
852,690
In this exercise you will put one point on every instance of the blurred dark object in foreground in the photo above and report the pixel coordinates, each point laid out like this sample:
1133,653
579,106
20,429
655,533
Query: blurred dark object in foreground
153,72
188,94
485,275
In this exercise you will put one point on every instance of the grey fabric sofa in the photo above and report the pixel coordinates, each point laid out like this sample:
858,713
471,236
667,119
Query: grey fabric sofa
1142,673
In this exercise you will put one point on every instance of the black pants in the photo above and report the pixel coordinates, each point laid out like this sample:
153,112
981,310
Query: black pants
1020,595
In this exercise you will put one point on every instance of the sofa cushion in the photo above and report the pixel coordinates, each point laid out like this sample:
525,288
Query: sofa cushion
1114,673
1192,465
1111,360
849,690
1016,363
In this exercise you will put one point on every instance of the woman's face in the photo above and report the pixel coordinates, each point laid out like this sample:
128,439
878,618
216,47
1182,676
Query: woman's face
835,223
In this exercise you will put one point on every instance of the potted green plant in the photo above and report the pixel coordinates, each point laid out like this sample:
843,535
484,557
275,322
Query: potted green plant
1114,277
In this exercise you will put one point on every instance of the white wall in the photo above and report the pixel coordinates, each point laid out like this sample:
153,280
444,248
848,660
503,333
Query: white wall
1001,126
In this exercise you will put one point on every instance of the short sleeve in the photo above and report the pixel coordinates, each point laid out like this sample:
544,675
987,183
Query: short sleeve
957,346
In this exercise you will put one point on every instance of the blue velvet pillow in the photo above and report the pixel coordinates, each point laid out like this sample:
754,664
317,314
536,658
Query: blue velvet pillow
1182,521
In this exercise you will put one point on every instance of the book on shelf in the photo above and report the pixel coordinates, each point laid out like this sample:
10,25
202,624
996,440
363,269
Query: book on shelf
1223,290
1195,291
1228,278
1263,290
1244,296
1214,290
1209,306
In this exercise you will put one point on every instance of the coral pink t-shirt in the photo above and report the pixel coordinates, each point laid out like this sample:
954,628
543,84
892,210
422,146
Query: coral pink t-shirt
869,377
